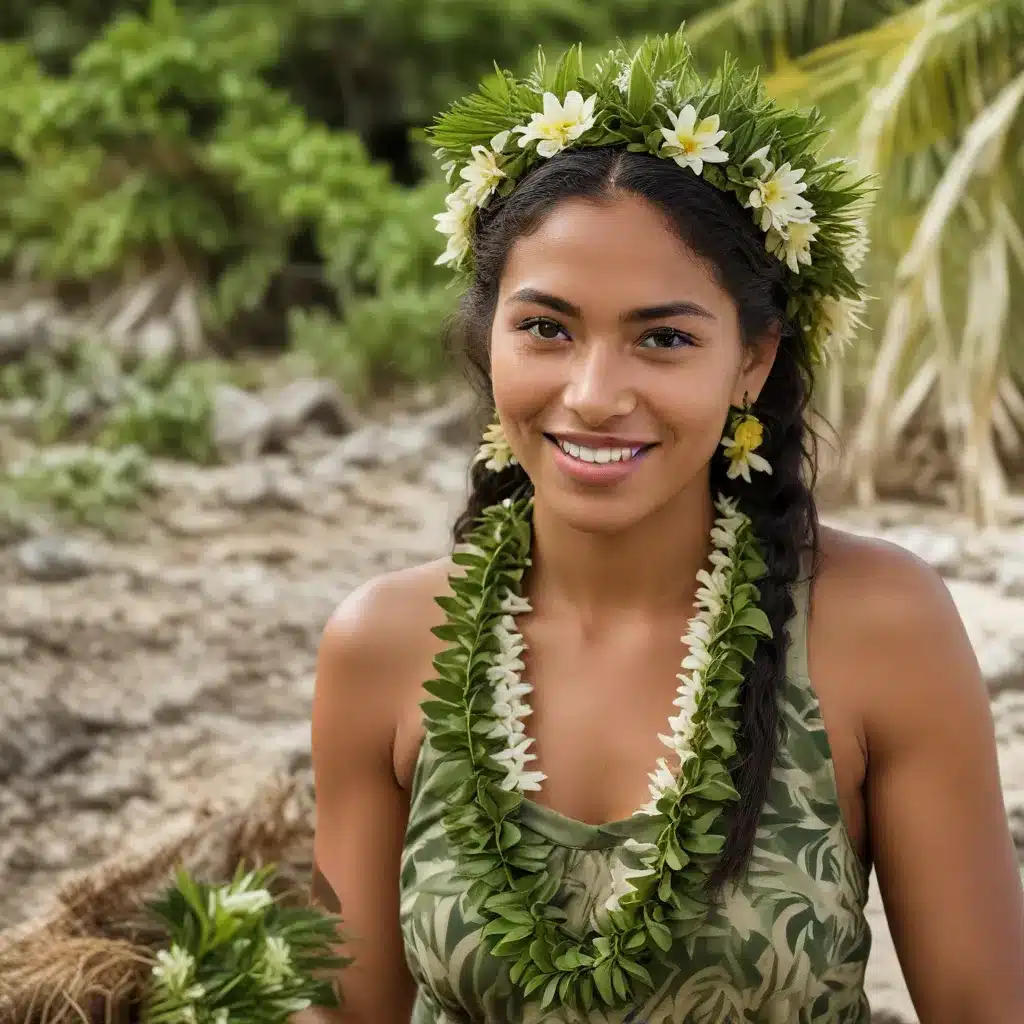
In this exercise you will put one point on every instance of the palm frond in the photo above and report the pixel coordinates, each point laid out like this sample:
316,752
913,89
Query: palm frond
770,32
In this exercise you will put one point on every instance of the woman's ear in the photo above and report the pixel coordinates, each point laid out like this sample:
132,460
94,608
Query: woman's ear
758,360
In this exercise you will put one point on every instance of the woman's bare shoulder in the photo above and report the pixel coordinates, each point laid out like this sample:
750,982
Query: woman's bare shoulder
885,616
385,623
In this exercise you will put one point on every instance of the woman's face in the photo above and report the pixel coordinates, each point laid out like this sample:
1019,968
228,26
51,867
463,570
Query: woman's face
615,356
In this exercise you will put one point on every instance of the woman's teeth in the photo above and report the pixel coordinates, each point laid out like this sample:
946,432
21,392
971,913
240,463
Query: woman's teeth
578,451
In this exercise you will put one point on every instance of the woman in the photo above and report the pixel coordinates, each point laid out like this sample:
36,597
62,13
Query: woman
649,285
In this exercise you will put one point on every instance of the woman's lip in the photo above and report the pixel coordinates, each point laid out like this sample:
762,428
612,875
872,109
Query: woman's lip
595,472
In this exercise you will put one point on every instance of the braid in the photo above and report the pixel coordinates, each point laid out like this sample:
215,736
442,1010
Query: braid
784,518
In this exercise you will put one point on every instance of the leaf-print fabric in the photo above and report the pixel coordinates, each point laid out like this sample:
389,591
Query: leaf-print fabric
787,944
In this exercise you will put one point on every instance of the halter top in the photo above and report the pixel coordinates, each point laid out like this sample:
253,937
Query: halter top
787,942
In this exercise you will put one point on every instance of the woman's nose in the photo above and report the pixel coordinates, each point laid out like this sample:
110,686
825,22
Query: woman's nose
598,388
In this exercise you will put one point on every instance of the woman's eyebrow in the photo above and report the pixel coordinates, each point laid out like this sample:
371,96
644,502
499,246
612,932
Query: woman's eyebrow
662,311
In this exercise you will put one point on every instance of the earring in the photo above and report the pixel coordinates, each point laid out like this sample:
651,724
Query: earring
494,451
740,449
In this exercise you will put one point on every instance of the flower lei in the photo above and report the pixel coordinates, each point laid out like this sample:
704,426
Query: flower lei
475,720
726,130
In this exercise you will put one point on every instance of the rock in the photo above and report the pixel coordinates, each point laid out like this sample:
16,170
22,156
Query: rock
22,329
1010,576
111,787
242,423
19,414
459,422
310,401
377,446
156,339
54,559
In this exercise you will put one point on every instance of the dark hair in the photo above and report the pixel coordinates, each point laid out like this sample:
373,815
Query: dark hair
781,506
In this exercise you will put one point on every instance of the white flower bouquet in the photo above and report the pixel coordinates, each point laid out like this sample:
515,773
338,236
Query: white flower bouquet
237,957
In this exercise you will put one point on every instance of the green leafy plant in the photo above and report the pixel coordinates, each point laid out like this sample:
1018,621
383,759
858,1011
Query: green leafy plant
83,485
236,955
167,414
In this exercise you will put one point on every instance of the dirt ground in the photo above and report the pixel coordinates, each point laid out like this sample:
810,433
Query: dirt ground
143,676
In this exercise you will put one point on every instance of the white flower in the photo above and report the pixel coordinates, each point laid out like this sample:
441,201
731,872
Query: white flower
238,901
558,125
839,320
691,144
513,604
778,198
173,971
522,781
857,246
455,222
277,961
494,451
714,590
622,884
761,157
482,174
793,245
622,78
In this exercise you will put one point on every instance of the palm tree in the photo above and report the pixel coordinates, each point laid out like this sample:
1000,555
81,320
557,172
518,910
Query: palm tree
929,97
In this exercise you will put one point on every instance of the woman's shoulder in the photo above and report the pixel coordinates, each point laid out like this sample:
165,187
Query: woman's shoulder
884,619
388,618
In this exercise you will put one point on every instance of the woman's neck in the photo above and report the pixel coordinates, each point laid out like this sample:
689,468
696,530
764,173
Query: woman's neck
648,567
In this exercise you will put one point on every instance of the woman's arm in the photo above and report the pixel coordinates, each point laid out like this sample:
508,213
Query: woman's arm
361,811
940,840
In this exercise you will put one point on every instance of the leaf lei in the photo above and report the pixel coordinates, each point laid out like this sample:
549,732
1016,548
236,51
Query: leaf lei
658,899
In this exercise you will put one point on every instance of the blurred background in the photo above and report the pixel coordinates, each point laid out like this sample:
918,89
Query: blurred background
224,400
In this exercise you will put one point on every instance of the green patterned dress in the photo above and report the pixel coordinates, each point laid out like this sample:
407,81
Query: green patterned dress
787,944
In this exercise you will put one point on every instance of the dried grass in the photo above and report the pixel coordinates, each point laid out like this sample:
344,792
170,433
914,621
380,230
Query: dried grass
89,961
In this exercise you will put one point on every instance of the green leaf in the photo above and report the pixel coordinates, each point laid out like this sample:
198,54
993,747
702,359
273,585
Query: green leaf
445,690
549,993
603,981
619,983
660,934
704,843
568,72
755,619
638,971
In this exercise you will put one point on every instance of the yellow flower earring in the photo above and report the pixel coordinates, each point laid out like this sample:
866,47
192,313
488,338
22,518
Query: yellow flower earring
494,451
740,449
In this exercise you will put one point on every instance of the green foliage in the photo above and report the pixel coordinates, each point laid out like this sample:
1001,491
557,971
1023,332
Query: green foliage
237,955
166,412
390,339
81,485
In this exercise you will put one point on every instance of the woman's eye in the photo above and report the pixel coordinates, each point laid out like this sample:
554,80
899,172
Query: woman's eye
666,339
543,330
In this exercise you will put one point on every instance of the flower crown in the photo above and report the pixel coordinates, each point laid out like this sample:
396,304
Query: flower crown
727,130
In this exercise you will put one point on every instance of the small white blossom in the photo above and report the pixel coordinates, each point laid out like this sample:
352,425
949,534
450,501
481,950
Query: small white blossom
494,451
482,175
277,961
856,249
793,245
777,195
558,125
622,884
174,973
691,144
839,320
455,222
238,902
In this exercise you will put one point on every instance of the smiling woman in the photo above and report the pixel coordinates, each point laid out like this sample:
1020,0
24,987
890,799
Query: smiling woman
644,308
